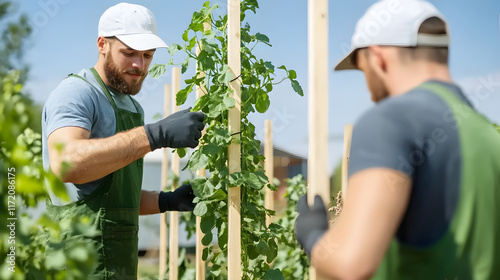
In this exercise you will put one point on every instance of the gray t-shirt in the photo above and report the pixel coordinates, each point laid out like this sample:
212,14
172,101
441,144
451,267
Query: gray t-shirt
75,102
416,134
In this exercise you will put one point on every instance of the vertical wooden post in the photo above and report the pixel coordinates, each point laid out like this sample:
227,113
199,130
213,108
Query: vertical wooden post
269,166
200,264
174,216
345,159
234,150
317,170
164,176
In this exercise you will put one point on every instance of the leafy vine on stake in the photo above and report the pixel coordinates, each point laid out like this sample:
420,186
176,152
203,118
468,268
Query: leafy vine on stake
259,242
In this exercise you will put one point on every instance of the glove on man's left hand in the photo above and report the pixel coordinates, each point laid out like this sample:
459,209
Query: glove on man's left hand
179,200
311,223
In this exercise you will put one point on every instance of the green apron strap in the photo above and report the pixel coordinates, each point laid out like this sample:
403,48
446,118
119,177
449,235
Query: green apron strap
80,77
443,92
103,87
135,104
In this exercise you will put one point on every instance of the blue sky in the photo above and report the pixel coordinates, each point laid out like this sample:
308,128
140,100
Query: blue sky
65,33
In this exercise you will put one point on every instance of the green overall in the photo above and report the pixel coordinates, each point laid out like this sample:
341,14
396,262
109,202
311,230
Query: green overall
113,207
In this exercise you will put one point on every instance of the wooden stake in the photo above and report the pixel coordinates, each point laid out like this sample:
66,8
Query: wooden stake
269,166
345,158
234,150
200,264
174,216
164,177
317,170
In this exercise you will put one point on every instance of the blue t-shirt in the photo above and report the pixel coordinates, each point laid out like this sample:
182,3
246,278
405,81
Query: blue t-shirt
416,134
77,103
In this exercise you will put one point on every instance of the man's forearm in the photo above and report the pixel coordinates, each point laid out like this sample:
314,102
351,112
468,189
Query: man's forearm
91,159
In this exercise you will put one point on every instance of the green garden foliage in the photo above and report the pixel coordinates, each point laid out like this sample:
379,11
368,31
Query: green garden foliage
26,252
260,243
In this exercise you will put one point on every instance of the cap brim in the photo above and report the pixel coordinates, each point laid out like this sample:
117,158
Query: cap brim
348,62
142,42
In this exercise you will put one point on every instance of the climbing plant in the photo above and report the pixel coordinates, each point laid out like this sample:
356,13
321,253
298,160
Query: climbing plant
258,78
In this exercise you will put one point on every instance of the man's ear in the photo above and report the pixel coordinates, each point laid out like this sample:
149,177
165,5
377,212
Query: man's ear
102,45
378,59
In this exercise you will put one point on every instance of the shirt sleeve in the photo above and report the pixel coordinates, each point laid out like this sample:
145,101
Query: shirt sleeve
70,104
382,138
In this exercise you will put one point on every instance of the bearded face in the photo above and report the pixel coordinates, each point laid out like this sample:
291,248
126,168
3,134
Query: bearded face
123,80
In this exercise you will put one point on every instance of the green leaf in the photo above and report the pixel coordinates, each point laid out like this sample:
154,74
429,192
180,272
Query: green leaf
207,223
283,67
218,195
185,66
211,149
262,248
198,160
200,209
207,238
181,96
251,252
256,180
185,35
206,251
262,103
225,75
262,38
173,49
297,88
274,274
228,102
236,179
157,70
205,62
202,188
292,74
269,66
221,136
181,152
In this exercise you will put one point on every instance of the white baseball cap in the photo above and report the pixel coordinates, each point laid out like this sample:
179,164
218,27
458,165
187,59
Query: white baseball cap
394,23
132,24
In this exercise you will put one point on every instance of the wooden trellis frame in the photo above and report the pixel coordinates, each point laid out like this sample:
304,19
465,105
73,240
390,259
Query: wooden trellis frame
234,150
345,159
317,169
173,243
164,176
269,166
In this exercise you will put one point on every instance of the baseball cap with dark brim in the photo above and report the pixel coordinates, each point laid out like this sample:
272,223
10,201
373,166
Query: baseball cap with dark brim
393,23
132,24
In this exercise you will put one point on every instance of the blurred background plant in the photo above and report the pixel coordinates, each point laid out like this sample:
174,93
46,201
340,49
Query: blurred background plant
36,255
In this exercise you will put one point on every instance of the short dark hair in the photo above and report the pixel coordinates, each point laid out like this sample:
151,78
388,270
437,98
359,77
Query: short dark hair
433,26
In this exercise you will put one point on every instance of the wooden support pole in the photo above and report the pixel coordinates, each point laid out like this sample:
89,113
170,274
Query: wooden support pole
200,264
234,150
317,170
345,159
269,166
164,176
174,216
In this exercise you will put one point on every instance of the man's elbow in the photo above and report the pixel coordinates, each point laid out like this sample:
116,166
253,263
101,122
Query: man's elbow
345,268
67,171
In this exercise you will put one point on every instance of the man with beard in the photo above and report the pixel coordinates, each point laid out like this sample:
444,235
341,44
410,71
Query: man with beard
94,139
424,189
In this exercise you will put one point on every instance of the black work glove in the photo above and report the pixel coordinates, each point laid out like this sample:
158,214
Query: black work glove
311,223
179,200
179,130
